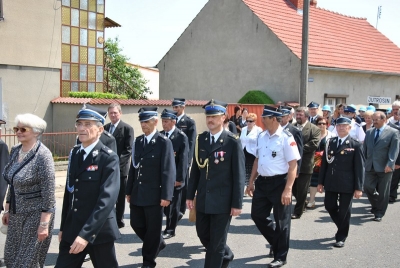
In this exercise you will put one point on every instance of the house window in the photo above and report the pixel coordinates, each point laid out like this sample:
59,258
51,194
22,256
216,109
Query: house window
333,100
1,10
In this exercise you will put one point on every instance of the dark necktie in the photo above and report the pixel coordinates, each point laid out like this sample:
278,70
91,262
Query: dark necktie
397,123
80,157
112,128
340,143
166,134
145,142
377,135
212,141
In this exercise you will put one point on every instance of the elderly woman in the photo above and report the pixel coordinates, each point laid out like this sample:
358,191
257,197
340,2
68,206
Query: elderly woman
325,135
248,137
30,202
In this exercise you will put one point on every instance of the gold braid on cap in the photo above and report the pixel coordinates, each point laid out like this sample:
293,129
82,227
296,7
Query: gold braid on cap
197,155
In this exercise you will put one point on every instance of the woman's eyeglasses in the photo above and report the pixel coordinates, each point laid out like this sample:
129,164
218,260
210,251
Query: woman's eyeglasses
321,124
249,121
22,129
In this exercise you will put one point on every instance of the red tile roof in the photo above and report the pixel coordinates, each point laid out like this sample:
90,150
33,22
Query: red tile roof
68,100
335,40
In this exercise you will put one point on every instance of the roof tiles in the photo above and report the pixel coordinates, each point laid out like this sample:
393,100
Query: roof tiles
335,40
68,100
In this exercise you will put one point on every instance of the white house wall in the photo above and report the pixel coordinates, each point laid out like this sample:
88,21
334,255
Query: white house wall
225,52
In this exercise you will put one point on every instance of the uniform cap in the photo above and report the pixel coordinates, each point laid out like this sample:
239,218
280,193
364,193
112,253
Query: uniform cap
169,114
178,102
147,113
313,104
349,109
90,112
215,107
285,110
271,111
326,108
343,120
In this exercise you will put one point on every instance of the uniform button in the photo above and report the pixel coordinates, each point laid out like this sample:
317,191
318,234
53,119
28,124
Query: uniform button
152,156
140,182
90,178
140,174
208,191
76,190
76,199
141,158
141,166
75,210
76,180
93,236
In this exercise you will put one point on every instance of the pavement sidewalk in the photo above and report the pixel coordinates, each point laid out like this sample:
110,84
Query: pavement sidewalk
61,177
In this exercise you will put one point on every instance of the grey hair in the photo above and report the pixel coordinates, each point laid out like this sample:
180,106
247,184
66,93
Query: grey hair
278,119
396,103
381,115
304,110
114,104
37,124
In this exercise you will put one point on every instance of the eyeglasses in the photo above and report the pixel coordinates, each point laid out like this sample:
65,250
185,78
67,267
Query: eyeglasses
22,129
321,124
84,124
249,121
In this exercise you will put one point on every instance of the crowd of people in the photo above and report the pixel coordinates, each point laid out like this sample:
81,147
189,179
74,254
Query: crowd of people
163,173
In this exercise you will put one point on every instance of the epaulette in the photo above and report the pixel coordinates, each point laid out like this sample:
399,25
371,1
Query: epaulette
235,136
106,150
78,145
287,132
357,124
139,137
107,133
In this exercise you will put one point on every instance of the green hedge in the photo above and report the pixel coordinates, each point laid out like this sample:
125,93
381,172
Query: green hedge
256,97
96,95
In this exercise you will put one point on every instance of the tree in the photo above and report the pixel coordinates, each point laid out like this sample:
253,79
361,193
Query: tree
256,97
121,78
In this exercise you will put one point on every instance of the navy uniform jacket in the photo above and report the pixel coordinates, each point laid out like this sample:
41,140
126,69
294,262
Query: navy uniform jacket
153,178
4,157
346,173
298,138
180,144
107,139
88,211
123,135
188,126
222,188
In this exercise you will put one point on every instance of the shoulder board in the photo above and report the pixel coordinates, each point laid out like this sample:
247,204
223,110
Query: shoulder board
139,137
353,139
106,150
76,146
204,133
287,132
233,136
107,133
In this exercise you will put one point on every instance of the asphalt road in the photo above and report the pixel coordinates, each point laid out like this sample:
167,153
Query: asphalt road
370,244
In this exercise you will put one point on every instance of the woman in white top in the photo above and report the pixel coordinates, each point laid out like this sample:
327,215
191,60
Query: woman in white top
248,137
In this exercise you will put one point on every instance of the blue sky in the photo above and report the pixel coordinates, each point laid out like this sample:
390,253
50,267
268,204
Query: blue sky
151,27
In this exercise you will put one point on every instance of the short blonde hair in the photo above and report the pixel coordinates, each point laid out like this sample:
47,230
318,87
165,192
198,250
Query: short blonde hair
368,113
252,116
37,124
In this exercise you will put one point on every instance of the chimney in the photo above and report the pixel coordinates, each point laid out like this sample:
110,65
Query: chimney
299,3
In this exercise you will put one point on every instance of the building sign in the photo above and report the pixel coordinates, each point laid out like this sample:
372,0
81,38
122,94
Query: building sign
379,100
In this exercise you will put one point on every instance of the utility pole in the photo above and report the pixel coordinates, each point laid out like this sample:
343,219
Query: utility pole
378,16
304,55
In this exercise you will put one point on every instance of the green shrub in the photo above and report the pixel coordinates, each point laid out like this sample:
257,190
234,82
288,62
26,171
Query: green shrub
96,95
256,97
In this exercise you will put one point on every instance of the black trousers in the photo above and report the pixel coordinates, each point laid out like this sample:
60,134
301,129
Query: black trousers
147,223
101,255
212,229
267,195
394,184
340,213
299,191
380,182
120,206
172,212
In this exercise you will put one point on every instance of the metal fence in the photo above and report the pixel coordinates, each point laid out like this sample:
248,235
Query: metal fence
59,143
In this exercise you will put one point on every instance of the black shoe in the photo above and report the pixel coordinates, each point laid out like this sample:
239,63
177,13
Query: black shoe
180,216
378,219
296,216
276,263
167,236
339,244
161,247
121,224
391,200
271,253
225,263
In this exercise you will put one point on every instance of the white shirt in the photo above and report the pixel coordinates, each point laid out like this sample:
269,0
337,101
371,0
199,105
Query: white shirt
249,141
216,136
356,132
115,126
342,140
180,117
150,136
88,149
170,132
282,145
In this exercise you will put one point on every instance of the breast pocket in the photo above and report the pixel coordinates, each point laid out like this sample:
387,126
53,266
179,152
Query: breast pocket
90,176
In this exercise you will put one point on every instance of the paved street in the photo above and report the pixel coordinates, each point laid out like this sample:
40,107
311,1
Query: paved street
370,244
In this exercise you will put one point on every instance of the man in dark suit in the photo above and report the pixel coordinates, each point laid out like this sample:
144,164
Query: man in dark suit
381,148
123,134
88,222
217,175
150,184
188,126
106,138
4,157
394,122
311,134
342,177
297,134
180,145
313,109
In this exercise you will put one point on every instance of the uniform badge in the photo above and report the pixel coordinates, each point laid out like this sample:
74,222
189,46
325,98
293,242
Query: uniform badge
273,154
95,153
216,161
92,168
347,142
